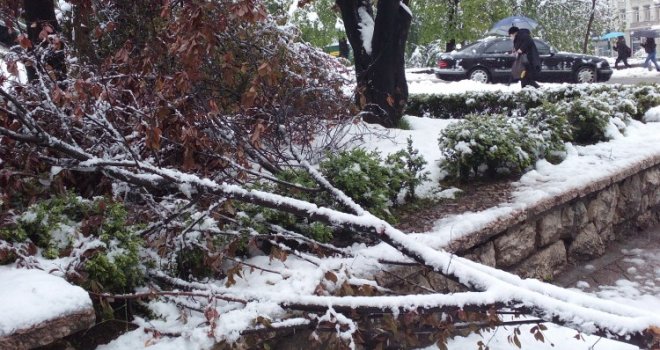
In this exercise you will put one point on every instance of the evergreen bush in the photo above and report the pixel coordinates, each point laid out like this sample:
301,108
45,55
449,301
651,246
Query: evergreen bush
488,146
64,223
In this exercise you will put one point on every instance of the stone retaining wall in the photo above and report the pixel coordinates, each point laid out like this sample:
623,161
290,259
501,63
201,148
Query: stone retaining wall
576,228
539,241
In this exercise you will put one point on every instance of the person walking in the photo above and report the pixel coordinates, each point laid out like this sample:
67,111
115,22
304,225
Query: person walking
344,51
649,47
623,52
523,44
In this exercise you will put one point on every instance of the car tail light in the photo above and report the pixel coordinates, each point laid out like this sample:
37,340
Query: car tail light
443,64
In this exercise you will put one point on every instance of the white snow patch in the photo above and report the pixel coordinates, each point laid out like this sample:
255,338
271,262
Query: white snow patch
33,296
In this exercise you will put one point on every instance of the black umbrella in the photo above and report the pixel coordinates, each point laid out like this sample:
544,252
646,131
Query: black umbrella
645,33
503,25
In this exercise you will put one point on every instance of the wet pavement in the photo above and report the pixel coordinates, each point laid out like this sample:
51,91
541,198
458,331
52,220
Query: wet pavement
629,265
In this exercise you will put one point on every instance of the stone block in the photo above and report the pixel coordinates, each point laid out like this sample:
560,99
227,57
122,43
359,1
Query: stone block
654,197
602,209
484,254
581,215
515,245
651,179
608,234
567,218
645,220
545,264
416,280
549,228
586,245
577,214
630,199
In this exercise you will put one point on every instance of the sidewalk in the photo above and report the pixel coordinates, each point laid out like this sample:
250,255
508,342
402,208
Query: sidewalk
629,269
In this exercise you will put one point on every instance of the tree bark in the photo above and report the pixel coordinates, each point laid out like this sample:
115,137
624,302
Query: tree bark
382,90
585,44
452,21
39,15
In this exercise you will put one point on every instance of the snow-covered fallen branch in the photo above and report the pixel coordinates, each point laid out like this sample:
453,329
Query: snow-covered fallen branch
550,303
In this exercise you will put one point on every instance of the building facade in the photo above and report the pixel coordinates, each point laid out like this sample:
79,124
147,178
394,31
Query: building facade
637,15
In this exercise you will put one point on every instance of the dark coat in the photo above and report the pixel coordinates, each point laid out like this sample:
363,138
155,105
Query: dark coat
524,42
344,51
622,50
649,45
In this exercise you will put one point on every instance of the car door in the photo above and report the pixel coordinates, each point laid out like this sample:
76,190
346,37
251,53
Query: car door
552,67
498,58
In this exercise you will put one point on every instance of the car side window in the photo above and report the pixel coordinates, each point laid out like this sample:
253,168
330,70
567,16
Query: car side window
500,47
542,47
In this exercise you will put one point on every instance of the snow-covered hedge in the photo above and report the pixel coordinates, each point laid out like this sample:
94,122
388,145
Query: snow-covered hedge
634,100
497,144
527,128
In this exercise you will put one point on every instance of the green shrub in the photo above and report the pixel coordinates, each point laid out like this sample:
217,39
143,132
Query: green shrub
60,224
363,177
445,106
406,168
646,97
552,129
486,146
589,119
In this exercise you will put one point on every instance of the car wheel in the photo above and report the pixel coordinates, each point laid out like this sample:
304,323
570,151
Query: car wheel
480,75
585,75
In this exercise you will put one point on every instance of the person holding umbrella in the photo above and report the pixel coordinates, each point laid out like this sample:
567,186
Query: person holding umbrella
623,52
524,45
649,47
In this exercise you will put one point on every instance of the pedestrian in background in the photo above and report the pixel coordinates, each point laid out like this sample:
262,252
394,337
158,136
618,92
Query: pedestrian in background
523,44
344,51
623,52
649,47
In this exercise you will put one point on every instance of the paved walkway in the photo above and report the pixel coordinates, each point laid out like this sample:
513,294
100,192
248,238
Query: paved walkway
632,263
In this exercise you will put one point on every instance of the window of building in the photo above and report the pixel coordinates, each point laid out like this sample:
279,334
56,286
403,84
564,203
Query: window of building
647,13
635,14
657,12
622,15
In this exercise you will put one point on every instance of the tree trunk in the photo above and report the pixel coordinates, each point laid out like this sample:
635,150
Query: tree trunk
452,23
585,44
81,31
40,15
382,90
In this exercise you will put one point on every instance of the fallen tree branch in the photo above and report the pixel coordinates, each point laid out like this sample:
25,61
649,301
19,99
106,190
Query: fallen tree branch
551,303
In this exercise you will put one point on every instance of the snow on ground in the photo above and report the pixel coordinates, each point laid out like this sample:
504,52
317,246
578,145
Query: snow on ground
652,115
635,71
30,297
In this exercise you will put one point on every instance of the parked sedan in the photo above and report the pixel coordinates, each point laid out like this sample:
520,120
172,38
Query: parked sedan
490,59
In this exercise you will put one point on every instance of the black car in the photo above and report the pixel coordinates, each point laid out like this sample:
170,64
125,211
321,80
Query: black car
490,60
